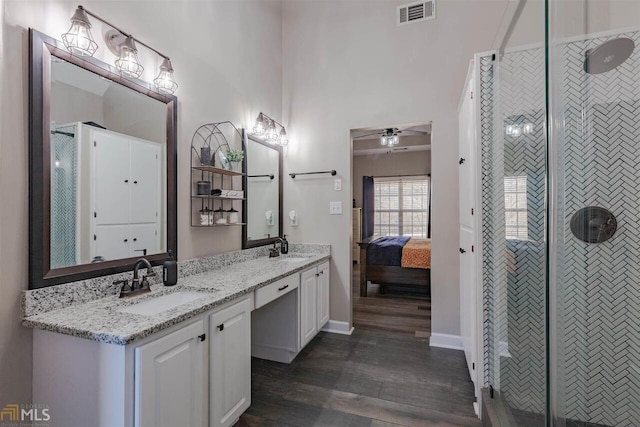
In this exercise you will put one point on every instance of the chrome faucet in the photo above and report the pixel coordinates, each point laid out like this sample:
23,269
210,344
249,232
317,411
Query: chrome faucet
275,252
137,286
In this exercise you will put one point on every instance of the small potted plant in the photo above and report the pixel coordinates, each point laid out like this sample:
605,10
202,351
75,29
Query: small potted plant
235,157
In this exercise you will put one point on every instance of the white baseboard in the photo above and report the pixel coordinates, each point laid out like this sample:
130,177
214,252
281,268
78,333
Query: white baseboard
337,327
446,341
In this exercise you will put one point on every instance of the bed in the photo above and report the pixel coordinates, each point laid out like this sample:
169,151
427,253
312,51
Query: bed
395,261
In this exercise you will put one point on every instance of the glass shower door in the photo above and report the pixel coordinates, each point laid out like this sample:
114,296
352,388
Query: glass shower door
594,176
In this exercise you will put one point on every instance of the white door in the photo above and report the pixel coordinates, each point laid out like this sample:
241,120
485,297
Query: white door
112,181
145,186
170,379
111,242
308,305
323,295
144,236
468,210
230,364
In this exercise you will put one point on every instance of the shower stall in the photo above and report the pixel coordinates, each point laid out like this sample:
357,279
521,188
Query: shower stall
559,130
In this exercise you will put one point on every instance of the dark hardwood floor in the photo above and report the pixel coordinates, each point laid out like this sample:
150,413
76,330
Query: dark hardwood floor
383,375
397,310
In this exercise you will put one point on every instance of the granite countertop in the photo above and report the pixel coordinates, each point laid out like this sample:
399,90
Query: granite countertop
100,319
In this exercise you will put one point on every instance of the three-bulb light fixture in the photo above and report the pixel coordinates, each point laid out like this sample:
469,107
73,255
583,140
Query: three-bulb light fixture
265,128
516,130
79,41
389,138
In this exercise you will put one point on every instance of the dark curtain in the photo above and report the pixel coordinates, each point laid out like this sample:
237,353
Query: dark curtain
368,200
429,218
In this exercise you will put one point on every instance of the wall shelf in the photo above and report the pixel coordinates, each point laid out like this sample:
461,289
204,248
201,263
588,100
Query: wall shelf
213,140
212,169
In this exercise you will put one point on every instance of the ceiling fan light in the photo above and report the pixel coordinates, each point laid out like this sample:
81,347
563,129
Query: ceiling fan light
78,39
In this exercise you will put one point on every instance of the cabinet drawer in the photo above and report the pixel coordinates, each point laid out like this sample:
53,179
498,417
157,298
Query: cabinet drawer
276,289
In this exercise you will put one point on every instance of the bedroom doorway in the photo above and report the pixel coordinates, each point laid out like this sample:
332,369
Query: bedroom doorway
391,188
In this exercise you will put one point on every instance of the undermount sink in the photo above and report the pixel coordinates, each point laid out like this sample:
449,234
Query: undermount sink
294,259
162,303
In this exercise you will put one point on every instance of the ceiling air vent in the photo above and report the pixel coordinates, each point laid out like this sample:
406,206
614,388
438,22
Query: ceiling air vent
416,12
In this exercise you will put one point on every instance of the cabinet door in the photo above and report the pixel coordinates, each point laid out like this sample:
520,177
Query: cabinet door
230,364
111,178
145,185
111,242
308,305
170,379
144,236
323,295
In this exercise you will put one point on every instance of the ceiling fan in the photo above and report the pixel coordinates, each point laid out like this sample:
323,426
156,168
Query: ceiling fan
390,137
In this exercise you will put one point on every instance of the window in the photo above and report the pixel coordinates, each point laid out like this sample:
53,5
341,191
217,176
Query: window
401,206
515,207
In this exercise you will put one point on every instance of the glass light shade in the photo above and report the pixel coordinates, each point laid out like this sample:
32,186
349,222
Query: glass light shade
395,140
271,134
383,140
258,128
165,82
283,140
517,131
128,63
78,39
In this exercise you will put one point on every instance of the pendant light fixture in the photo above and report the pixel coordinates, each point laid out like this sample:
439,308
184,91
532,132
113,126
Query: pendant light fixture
164,82
78,39
128,63
266,128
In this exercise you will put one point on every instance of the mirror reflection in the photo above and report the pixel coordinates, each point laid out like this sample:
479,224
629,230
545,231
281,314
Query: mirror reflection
263,191
108,169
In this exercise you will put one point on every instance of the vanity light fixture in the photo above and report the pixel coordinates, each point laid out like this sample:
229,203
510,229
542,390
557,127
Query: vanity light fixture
128,63
78,41
266,128
258,128
271,135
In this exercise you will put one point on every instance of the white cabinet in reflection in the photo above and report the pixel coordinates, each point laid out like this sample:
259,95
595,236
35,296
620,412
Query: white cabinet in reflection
124,201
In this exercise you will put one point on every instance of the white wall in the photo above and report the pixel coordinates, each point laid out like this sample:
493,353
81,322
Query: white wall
227,60
348,66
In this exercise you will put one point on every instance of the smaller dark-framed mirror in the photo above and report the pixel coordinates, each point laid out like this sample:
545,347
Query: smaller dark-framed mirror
102,165
262,212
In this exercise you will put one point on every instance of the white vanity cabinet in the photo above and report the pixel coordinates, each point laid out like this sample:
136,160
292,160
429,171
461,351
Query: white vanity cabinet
170,379
230,364
314,301
191,374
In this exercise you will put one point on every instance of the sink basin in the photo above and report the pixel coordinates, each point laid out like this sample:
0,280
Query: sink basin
294,259
163,303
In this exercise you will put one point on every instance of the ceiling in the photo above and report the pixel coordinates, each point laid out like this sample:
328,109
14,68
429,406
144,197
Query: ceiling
413,138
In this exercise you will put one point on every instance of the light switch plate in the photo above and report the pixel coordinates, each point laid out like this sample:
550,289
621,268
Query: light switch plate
335,208
338,184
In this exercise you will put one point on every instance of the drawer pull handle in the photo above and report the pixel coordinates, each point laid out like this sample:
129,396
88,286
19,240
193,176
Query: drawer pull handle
221,327
283,288
202,337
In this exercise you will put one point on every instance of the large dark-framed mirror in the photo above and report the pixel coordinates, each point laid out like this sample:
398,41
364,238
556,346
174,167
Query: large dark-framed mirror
102,168
262,212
